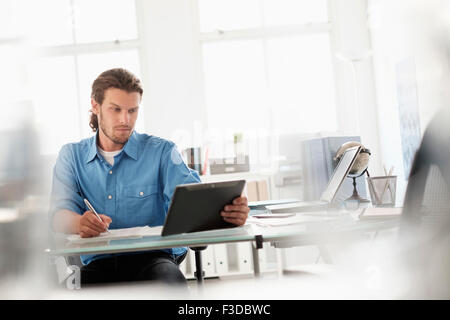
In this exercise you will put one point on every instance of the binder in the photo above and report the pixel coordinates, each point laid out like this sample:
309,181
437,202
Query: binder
252,191
221,259
262,255
190,265
263,190
314,169
244,257
183,266
208,262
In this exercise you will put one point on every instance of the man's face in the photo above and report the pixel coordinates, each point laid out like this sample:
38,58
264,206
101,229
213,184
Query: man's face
116,117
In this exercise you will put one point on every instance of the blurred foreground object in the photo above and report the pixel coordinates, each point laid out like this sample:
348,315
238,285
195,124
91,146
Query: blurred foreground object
23,222
425,230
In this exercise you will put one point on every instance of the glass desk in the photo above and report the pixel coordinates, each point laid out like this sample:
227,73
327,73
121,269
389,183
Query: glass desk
321,232
314,230
196,241
61,247
317,231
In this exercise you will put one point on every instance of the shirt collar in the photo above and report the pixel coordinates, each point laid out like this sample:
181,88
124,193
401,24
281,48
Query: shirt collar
92,149
130,148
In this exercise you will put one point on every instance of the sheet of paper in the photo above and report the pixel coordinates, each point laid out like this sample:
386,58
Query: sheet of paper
296,219
136,232
241,230
379,212
273,216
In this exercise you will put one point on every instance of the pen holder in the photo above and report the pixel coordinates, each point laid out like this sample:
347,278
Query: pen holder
382,190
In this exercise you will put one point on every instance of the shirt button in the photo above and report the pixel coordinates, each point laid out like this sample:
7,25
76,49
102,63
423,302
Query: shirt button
110,171
141,193
110,197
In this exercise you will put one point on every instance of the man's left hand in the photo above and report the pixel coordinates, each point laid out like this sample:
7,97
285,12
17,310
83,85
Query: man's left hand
237,212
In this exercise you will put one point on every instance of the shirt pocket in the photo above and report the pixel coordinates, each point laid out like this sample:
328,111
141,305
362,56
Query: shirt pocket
142,203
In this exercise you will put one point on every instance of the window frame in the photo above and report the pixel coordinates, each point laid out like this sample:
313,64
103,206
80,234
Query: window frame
75,49
264,33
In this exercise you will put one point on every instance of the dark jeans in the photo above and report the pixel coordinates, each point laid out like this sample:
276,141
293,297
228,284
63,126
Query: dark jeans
155,265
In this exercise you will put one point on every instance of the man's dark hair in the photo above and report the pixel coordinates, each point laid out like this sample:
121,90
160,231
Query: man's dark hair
115,78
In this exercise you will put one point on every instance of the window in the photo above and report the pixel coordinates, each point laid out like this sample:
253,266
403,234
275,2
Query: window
234,88
56,103
267,67
79,40
301,83
228,15
82,21
294,12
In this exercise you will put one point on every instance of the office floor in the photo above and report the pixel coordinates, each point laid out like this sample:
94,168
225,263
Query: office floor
295,285
149,290
309,282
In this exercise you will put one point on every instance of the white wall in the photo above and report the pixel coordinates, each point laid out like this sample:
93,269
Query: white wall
351,38
171,67
407,29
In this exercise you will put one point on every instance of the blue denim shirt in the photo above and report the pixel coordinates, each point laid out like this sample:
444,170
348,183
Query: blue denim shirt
136,191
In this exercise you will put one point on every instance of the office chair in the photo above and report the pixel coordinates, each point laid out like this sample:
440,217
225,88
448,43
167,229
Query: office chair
424,233
68,269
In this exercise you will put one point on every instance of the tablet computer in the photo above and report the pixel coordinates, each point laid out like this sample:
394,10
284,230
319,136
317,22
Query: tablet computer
196,207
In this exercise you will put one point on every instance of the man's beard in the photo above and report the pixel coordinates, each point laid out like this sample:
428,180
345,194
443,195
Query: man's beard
113,138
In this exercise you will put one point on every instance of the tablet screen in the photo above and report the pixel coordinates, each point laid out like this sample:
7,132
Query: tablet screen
196,207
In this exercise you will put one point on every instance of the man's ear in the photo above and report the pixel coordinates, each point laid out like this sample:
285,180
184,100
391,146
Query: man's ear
94,107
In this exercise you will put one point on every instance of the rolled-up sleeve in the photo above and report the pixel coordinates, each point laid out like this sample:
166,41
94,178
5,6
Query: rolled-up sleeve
66,193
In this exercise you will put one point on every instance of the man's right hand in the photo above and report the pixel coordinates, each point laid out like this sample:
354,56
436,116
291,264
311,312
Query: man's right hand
90,226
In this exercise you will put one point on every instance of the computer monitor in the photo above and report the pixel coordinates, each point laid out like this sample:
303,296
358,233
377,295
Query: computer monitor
339,174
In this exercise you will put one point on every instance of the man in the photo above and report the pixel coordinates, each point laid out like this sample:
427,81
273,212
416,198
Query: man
129,178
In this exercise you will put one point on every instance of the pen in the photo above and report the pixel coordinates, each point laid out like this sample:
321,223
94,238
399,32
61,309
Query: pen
93,210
